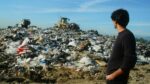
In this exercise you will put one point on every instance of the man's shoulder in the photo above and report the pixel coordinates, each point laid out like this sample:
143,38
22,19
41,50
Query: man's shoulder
128,36
127,33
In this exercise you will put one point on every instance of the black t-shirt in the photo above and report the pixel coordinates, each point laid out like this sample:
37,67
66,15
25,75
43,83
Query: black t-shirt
124,53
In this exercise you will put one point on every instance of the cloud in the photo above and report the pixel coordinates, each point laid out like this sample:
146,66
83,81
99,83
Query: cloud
71,10
86,6
90,3
140,24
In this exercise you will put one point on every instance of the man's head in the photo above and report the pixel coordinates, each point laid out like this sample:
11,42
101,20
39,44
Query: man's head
120,17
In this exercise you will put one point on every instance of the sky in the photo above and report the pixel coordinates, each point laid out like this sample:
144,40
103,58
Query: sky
89,14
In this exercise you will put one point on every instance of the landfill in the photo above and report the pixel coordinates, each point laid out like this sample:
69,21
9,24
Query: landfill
54,55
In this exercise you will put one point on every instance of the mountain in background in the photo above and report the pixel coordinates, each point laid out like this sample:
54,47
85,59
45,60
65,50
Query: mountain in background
144,37
147,38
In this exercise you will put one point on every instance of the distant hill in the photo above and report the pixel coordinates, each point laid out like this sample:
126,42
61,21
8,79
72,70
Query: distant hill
144,37
147,38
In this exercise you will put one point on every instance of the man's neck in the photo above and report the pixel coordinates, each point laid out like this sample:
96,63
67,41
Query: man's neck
120,28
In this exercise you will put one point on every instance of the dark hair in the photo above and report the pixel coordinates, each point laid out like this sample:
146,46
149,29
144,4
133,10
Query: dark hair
121,16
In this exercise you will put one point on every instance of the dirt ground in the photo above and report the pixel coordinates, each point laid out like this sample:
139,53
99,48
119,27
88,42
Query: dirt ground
139,75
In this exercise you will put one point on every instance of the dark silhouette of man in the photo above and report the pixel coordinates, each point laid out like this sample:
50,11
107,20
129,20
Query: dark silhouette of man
123,57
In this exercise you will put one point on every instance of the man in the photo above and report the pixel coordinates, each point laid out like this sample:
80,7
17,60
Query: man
123,57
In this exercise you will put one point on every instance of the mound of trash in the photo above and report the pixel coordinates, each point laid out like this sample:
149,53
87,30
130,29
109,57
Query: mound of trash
55,55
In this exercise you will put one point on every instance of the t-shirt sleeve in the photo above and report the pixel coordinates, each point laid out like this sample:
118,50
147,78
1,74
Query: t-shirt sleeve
129,59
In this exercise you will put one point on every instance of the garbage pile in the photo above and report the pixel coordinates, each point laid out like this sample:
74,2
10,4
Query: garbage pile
24,51
143,52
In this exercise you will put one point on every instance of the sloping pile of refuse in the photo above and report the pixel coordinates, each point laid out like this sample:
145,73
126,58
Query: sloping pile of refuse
28,53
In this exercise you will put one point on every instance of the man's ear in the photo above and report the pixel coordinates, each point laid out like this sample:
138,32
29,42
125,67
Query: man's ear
115,22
